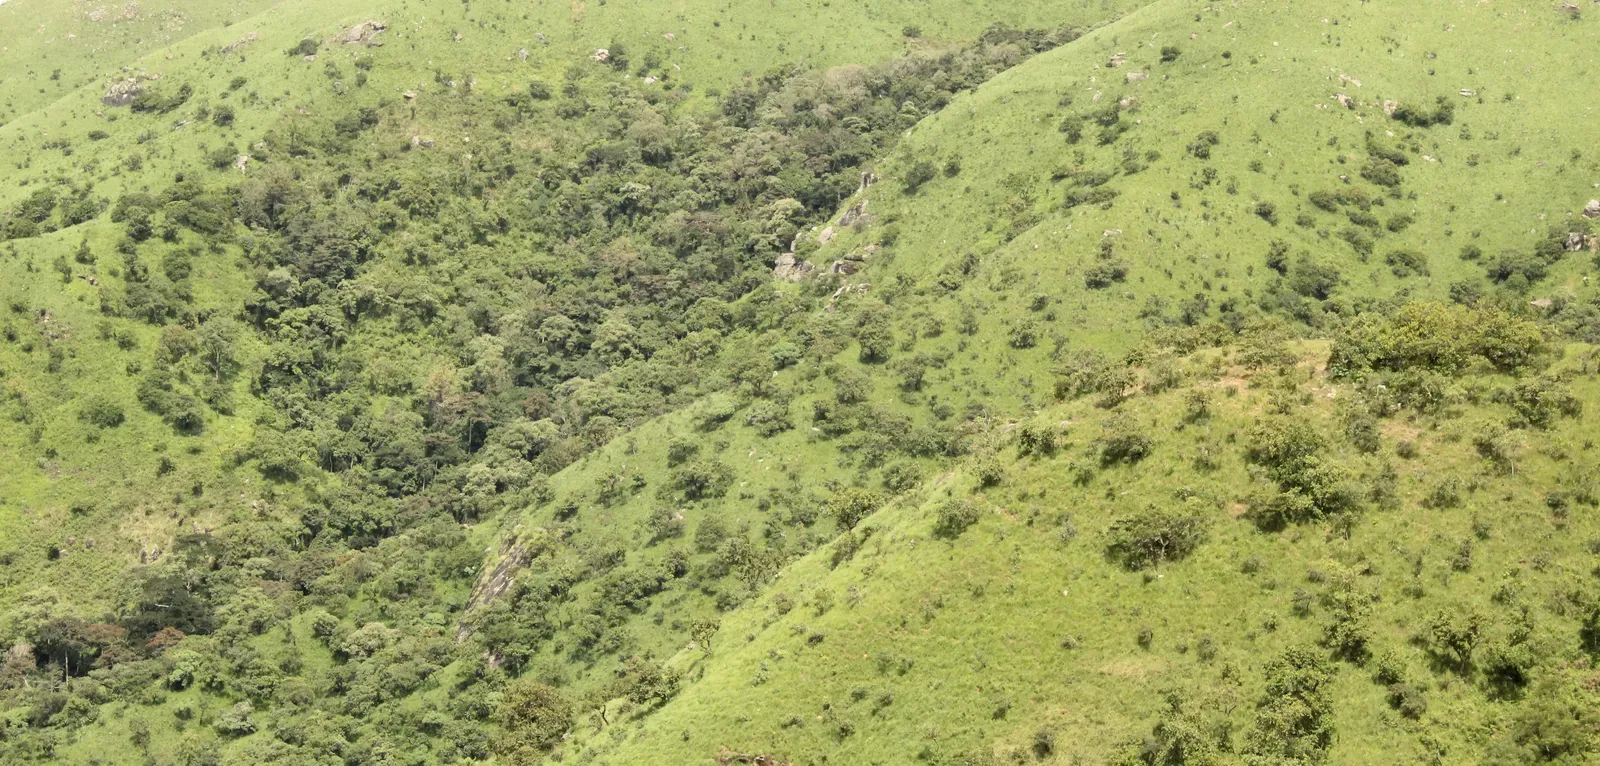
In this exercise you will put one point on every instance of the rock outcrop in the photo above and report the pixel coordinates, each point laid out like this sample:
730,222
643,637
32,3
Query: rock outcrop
366,33
790,268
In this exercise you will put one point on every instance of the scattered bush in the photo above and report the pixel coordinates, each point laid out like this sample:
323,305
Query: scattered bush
1156,535
953,517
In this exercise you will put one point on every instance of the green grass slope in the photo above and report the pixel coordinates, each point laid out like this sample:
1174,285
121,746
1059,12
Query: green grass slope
1160,203
52,49
1028,636
995,489
81,147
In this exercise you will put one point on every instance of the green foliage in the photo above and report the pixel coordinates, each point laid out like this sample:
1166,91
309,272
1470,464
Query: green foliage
1293,723
1438,337
953,517
1443,113
849,506
162,99
532,717
101,412
919,174
1156,535
1124,441
702,479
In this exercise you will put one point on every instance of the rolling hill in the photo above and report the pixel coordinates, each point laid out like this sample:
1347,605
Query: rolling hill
1138,383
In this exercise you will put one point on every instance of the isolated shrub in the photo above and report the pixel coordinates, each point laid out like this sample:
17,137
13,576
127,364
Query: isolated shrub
1452,636
1407,263
221,157
918,174
953,517
1156,535
1381,172
1314,278
1105,273
161,99
1407,700
1036,439
769,418
703,478
679,451
1099,195
306,47
1267,211
1024,334
714,412
1200,147
1539,403
1360,240
1294,721
101,412
849,506
1072,128
237,721
1443,113
1123,441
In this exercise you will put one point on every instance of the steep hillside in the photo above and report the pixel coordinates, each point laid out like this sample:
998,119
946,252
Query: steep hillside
396,383
241,92
1189,162
1116,585
52,49
263,435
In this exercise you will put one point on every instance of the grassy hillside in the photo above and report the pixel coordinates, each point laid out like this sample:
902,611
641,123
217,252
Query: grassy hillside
1037,632
1164,207
436,401
52,49
88,154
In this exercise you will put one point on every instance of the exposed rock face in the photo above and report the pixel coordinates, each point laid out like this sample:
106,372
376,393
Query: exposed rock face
856,213
121,93
1574,241
514,555
1345,101
1592,210
239,43
791,269
365,33
1134,77
1116,61
825,236
1390,106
